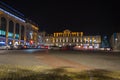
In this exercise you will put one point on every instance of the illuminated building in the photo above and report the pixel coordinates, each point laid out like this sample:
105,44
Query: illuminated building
94,41
31,32
41,38
69,38
14,27
115,41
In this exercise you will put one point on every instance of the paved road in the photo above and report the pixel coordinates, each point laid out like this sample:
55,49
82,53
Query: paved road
82,59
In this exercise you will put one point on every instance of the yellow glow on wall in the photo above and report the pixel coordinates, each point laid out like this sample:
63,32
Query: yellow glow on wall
53,40
34,27
1,12
77,34
85,39
67,33
81,33
93,39
54,34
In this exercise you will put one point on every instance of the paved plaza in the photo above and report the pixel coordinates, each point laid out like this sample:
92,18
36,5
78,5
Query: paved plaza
75,59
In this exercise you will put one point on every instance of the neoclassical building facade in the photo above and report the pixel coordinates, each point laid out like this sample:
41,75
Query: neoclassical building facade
69,38
15,28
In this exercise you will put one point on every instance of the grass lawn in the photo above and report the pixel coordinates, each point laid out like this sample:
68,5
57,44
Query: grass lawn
16,72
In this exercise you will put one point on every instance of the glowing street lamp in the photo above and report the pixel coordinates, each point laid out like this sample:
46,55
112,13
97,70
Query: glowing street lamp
116,41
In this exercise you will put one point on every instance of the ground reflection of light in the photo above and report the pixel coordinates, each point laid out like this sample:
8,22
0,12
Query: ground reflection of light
33,50
30,50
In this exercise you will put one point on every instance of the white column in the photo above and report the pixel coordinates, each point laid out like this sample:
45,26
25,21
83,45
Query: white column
14,32
7,28
24,35
19,33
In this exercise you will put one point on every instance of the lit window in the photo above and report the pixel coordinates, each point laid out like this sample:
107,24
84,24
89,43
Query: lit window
77,40
16,36
77,44
56,40
60,39
10,34
46,40
66,39
2,32
80,40
73,39
63,40
56,44
53,40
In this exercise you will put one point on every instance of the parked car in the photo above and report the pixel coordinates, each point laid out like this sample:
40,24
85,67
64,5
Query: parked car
4,47
16,47
54,48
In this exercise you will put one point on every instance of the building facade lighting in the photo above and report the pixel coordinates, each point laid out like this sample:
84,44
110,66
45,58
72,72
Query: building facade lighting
12,15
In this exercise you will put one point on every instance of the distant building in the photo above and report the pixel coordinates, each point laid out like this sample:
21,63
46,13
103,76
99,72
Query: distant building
115,41
105,42
94,41
41,38
69,38
15,29
31,32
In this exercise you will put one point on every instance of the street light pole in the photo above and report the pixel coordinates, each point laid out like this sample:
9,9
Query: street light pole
116,43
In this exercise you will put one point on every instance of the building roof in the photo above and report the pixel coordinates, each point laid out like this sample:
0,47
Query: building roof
10,9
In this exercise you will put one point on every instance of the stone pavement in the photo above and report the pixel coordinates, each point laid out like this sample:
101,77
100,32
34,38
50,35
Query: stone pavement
56,62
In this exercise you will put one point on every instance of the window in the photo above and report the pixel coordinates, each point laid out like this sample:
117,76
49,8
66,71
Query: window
16,36
66,39
11,26
17,28
3,24
22,32
10,34
77,40
2,33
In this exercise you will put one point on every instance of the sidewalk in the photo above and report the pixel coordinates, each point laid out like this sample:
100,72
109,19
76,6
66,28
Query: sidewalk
116,51
2,51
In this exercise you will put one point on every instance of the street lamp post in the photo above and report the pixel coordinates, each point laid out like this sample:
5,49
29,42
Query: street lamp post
116,43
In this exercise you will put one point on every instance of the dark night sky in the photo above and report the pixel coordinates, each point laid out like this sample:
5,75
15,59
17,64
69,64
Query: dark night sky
91,17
